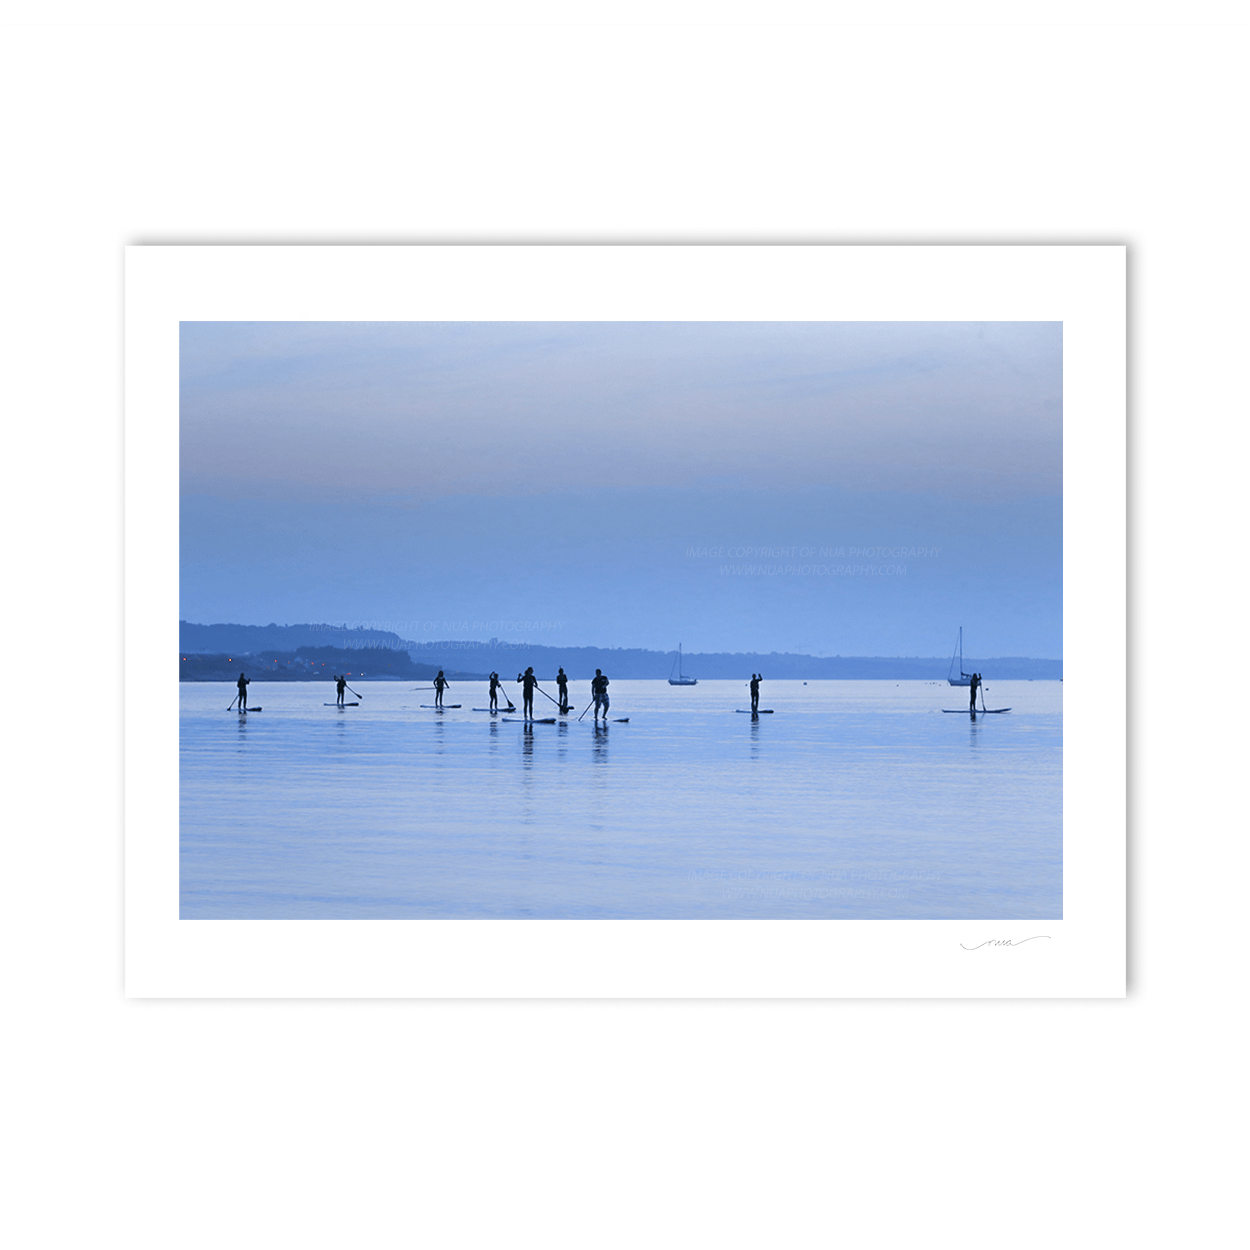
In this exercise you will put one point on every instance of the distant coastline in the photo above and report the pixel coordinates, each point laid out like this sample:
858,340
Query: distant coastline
315,652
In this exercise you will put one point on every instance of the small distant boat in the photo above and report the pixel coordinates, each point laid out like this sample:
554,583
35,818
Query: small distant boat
680,680
964,679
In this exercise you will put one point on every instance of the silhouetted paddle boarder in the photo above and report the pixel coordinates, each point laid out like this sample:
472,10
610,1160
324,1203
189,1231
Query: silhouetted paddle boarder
756,678
440,684
340,684
599,688
494,692
243,683
562,683
973,686
529,681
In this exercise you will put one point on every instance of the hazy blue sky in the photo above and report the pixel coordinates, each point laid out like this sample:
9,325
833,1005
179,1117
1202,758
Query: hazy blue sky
631,484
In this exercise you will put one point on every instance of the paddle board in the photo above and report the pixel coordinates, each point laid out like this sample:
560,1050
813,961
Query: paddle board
340,705
433,707
541,720
245,710
492,710
981,711
746,711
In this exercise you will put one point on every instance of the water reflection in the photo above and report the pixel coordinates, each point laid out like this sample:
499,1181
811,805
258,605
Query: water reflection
437,824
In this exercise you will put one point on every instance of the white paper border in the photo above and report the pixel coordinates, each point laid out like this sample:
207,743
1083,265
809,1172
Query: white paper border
1083,955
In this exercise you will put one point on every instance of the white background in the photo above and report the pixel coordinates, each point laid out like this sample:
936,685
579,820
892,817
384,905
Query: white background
856,1123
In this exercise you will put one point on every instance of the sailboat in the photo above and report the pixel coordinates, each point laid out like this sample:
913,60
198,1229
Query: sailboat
679,680
964,679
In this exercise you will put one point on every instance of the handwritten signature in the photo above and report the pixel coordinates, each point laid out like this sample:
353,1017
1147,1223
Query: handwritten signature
1004,942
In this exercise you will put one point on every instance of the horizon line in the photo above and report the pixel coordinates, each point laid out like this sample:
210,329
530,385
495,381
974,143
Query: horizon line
472,644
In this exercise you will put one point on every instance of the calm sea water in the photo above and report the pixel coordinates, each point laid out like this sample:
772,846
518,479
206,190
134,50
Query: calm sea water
854,799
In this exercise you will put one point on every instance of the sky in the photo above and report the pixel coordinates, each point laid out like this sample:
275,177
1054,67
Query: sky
830,488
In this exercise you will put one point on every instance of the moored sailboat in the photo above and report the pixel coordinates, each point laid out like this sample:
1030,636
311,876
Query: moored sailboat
680,680
964,679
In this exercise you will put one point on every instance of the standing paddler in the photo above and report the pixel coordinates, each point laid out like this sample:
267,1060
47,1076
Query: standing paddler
756,678
973,686
242,684
340,684
440,684
562,683
599,688
494,692
529,681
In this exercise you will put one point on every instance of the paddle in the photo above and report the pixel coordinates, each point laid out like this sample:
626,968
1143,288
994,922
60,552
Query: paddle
545,695
562,703
499,690
588,707
232,702
356,693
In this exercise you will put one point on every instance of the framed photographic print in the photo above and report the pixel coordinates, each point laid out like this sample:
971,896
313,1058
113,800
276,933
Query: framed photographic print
625,621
